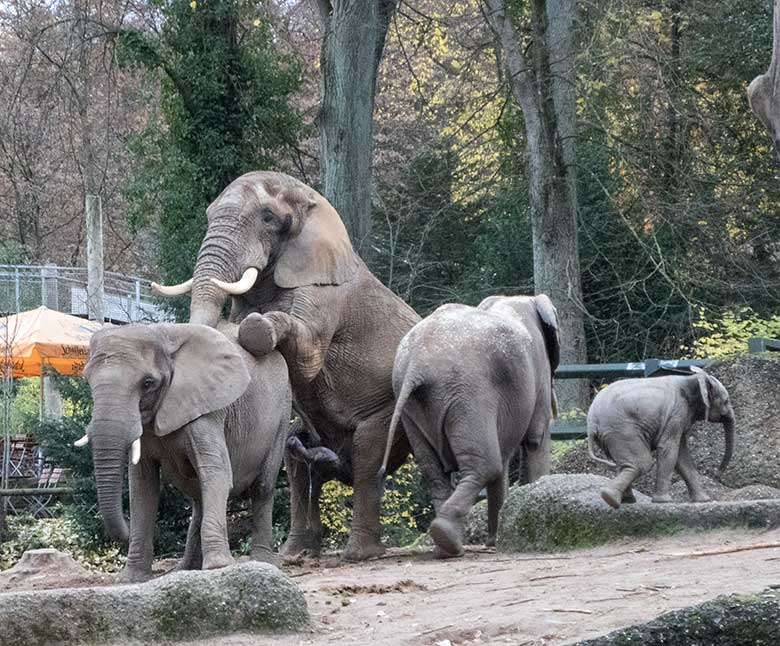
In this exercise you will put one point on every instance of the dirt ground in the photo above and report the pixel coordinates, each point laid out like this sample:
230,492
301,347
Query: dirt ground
406,597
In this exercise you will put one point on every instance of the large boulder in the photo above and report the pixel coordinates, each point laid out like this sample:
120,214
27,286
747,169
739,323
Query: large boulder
753,382
248,597
560,512
736,620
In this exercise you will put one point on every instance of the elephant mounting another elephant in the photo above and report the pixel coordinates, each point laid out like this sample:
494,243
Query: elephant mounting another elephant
188,401
630,419
474,387
281,251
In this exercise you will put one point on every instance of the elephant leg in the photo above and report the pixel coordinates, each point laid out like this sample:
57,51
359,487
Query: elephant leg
687,470
211,460
144,496
666,462
192,559
536,446
496,494
633,457
430,465
305,535
368,444
474,442
259,334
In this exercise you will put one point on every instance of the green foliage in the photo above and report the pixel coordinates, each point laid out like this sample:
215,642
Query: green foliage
224,111
728,334
63,533
25,406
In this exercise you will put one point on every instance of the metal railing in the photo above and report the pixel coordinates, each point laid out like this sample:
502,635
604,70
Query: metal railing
575,430
126,298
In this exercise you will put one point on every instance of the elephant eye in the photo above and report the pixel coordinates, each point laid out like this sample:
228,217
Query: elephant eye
268,217
148,383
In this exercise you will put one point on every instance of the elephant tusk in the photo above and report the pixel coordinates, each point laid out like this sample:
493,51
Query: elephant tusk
240,287
82,441
135,451
173,290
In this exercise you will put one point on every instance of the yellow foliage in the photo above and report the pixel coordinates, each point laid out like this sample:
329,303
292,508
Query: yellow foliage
401,506
729,334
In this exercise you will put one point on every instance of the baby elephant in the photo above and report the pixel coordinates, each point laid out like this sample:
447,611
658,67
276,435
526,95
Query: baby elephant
630,419
190,402
474,387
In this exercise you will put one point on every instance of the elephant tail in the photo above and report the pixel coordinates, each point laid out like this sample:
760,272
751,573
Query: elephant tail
591,452
408,387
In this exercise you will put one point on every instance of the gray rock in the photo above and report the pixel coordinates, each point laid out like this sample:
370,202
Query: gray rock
249,597
735,620
753,382
560,512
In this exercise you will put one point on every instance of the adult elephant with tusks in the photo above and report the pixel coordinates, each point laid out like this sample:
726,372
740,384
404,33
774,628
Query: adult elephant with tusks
281,251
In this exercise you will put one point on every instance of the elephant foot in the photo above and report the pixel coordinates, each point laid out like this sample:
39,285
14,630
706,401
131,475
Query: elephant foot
701,497
662,498
446,535
362,548
301,543
491,541
612,497
628,497
257,335
133,575
216,561
265,555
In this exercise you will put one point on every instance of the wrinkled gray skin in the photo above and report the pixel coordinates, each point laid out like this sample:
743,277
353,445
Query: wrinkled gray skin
630,419
474,387
210,416
336,325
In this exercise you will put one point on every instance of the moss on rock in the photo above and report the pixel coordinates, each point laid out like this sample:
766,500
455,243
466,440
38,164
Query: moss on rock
736,620
561,512
249,597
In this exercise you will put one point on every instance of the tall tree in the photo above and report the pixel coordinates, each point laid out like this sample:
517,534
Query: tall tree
225,111
353,40
541,80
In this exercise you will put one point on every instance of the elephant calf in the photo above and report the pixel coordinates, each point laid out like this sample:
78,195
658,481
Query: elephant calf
189,401
630,419
473,387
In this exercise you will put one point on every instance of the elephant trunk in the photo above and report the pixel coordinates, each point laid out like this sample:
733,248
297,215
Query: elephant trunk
216,260
728,429
109,453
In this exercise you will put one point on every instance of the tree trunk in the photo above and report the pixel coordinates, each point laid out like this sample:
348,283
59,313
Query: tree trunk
353,40
543,85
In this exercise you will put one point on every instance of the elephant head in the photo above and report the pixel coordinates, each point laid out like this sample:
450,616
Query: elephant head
717,408
266,227
156,378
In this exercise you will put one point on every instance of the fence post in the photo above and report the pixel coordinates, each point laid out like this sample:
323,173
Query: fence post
49,287
95,285
17,291
137,299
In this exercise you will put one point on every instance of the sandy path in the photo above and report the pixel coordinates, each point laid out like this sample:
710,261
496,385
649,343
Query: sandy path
524,599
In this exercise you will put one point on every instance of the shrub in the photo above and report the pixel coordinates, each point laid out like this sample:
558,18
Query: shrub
729,334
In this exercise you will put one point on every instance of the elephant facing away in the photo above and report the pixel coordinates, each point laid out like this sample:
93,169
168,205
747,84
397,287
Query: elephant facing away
187,401
474,387
632,418
282,252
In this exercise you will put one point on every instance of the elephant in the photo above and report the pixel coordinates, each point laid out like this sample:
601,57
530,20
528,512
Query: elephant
282,252
474,387
630,419
188,401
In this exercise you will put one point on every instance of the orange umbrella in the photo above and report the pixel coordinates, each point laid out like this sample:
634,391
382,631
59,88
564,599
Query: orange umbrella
44,337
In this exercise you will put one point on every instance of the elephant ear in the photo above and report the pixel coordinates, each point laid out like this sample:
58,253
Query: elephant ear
704,389
208,374
318,250
549,319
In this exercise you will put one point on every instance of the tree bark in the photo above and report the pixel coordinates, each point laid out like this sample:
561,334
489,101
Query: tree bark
543,85
354,34
764,90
